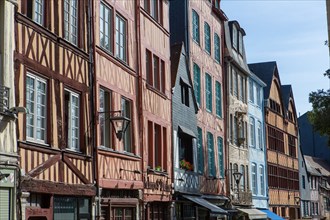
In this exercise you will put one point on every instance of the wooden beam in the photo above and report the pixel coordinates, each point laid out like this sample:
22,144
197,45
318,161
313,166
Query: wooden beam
39,186
75,170
48,163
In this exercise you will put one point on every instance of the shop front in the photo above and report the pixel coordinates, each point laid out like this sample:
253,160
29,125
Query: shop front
7,193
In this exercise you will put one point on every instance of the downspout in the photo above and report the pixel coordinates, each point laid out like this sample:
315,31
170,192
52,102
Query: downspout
91,67
139,83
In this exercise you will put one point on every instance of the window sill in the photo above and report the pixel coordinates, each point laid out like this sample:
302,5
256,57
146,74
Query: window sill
119,153
157,172
156,91
159,25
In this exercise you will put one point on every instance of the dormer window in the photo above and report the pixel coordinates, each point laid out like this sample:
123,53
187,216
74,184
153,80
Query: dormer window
234,39
240,43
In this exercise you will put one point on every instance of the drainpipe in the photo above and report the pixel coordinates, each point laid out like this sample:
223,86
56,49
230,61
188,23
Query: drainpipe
91,67
139,83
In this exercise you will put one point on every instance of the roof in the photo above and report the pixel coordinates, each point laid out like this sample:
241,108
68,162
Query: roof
317,166
265,72
175,59
286,93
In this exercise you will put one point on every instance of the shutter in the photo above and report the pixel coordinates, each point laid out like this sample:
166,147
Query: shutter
4,203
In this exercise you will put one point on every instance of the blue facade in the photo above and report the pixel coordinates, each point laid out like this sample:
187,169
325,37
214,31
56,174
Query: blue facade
257,143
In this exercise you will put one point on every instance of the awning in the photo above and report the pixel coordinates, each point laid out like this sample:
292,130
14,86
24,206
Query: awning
271,215
215,210
187,131
254,213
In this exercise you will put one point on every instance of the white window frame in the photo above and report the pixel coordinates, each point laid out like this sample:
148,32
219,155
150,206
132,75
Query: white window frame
35,112
260,136
121,47
105,27
234,40
252,132
254,178
262,179
104,123
38,11
71,27
70,128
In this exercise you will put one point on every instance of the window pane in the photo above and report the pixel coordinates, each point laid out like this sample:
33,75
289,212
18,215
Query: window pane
207,37
126,107
195,20
200,151
208,92
218,99
120,38
197,83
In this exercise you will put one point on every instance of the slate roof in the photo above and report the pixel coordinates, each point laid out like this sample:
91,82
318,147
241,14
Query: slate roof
175,59
317,166
286,93
265,72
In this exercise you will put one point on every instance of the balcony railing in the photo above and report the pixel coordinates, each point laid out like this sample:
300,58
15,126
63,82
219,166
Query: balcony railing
4,98
186,181
242,198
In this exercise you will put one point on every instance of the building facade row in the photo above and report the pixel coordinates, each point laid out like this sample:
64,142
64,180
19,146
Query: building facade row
140,110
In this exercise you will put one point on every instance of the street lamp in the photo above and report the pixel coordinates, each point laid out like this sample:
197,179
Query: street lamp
119,122
237,176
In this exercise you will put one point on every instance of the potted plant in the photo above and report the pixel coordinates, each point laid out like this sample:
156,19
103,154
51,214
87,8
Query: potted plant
186,165
158,168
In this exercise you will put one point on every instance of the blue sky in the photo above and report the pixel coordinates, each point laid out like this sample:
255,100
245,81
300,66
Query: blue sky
290,32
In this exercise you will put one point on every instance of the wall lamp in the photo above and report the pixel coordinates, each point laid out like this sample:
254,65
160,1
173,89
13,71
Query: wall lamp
119,122
133,171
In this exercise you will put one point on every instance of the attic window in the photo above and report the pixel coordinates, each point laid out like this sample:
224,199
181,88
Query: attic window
184,92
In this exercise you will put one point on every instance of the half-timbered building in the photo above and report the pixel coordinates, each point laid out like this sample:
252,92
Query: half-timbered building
9,169
154,76
53,83
281,132
119,158
199,24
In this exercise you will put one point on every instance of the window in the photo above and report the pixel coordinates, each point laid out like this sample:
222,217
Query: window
235,83
252,133
290,116
220,157
283,178
241,88
218,104
242,180
123,213
71,208
120,38
36,104
240,43
234,37
262,180
254,179
105,27
292,145
157,144
259,96
195,26
217,48
197,83
186,157
260,144
71,20
210,149
184,94
105,128
157,211
217,4
207,37
303,181
208,92
231,132
200,155
155,70
155,9
72,118
251,92
126,112
235,130
274,106
36,10
275,139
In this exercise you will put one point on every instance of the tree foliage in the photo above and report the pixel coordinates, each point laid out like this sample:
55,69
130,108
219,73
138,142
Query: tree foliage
320,115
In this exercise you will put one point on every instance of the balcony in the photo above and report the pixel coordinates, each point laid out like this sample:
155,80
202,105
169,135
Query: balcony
186,181
4,99
242,198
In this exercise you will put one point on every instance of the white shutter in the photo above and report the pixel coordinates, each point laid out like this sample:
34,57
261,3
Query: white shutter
4,203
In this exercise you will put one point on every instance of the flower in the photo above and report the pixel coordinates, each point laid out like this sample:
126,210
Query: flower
186,165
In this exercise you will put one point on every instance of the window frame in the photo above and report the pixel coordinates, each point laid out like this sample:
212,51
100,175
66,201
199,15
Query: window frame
36,14
207,38
211,159
252,132
234,37
259,133
254,177
197,83
128,135
208,92
110,26
218,99
195,27
262,179
150,72
68,33
69,137
220,157
217,48
118,45
153,158
36,79
107,130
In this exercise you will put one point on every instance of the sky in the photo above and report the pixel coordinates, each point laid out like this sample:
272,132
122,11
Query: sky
290,32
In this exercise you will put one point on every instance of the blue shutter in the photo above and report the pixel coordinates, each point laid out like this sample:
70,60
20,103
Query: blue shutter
208,92
217,48
218,103
200,156
197,83
220,156
195,19
210,147
207,37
